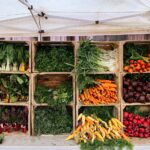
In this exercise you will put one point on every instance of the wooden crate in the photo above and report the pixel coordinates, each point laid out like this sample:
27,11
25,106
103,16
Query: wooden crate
28,44
52,81
116,79
28,133
121,92
123,103
72,107
116,110
34,50
22,104
136,140
122,51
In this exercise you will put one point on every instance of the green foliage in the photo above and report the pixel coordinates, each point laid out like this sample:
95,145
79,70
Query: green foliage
105,113
135,52
14,53
61,95
85,81
136,110
13,114
57,59
113,144
2,136
52,120
14,85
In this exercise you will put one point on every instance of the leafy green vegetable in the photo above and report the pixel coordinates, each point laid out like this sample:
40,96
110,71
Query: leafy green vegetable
89,60
112,144
14,86
135,52
2,138
105,113
61,95
53,58
14,114
52,120
12,53
85,81
136,110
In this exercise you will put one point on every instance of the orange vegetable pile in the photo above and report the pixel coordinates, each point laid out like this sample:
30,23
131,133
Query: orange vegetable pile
104,92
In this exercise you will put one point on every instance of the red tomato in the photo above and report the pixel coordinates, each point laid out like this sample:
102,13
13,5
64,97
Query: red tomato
131,61
132,65
148,55
126,68
130,70
143,66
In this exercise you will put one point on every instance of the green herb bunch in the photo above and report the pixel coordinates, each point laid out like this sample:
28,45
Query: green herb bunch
61,95
105,113
113,144
15,86
54,59
52,120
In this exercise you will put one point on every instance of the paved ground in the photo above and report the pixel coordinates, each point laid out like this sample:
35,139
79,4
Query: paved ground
17,142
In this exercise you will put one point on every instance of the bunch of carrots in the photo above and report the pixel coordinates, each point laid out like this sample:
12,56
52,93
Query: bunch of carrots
104,92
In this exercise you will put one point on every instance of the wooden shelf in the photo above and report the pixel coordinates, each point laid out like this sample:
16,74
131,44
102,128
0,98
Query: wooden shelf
57,73
14,72
14,104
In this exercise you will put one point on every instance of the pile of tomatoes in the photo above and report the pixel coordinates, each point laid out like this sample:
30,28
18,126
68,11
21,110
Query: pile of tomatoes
138,66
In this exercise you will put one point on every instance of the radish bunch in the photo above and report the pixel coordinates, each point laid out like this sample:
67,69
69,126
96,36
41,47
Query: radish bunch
10,127
136,126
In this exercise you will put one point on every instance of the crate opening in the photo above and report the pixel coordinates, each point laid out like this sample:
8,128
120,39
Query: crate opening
54,57
13,119
136,57
14,88
53,120
136,88
103,112
53,89
14,56
136,120
98,89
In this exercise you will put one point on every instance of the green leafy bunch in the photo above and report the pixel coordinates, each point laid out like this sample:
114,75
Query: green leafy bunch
13,53
137,111
52,120
113,144
57,59
15,85
105,113
61,95
13,114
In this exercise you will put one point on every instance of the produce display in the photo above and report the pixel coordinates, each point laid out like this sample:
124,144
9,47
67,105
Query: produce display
103,92
14,57
51,58
60,95
136,124
52,120
13,88
136,88
136,59
92,129
13,119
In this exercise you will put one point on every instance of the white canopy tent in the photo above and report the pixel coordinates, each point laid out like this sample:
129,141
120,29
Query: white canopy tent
74,17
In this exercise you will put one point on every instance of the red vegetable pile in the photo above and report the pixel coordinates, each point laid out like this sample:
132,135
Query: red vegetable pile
136,126
8,127
13,118
138,65
137,90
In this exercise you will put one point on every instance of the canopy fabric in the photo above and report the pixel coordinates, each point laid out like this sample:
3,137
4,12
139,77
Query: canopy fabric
75,17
